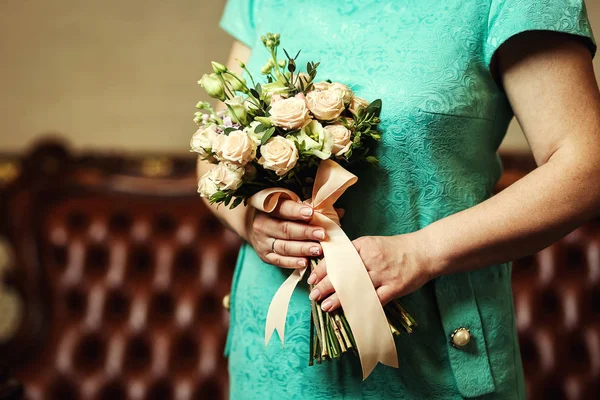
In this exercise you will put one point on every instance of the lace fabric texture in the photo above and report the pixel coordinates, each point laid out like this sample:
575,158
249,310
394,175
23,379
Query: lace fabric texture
443,119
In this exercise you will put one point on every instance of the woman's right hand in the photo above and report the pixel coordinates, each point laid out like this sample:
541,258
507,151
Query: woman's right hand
285,237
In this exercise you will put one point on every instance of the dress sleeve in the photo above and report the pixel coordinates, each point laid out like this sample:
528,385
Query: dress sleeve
238,20
508,18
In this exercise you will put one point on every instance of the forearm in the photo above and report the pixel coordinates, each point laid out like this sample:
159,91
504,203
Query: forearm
235,219
528,216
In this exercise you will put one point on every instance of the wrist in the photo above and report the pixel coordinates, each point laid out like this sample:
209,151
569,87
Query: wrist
432,255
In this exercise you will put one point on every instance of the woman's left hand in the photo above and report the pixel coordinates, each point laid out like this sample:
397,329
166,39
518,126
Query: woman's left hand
396,265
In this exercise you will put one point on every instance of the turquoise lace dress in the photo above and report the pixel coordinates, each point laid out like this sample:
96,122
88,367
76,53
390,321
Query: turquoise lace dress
443,119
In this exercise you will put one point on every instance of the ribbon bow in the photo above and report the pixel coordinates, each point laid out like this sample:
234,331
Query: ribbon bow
348,275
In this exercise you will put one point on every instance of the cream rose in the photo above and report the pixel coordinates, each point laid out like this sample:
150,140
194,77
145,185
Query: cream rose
357,103
207,187
290,113
227,176
341,138
202,141
279,154
237,147
320,86
344,90
325,105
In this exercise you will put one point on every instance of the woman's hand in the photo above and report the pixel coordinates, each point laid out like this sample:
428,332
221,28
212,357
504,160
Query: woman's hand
397,266
285,237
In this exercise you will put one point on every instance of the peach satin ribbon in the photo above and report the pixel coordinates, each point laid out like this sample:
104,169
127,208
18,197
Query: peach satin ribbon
345,269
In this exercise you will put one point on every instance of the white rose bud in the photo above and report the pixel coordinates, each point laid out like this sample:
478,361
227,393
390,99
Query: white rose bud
320,86
238,106
316,140
277,87
325,105
202,141
290,113
344,90
213,86
238,148
227,176
342,138
356,104
279,154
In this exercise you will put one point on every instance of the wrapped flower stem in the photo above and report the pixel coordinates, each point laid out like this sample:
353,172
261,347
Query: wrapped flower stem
331,336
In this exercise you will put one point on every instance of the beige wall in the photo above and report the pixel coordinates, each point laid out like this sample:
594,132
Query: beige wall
115,74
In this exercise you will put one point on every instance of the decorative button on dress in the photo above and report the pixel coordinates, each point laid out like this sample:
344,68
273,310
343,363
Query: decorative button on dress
443,119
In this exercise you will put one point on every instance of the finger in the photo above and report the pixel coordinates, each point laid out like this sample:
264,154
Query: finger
385,294
290,209
297,249
318,273
285,261
321,290
294,231
331,303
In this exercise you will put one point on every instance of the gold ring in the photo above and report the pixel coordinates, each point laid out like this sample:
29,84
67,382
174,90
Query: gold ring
273,246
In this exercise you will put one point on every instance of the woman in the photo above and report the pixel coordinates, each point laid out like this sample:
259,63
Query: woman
451,75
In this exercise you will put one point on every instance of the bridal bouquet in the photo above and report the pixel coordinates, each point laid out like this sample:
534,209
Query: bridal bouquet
290,136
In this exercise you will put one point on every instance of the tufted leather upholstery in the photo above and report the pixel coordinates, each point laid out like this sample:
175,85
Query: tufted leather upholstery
132,272
122,271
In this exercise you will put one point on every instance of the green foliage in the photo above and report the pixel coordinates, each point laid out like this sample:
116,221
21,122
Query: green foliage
267,135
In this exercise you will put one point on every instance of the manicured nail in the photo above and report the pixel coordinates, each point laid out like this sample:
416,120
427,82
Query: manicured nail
306,211
315,251
302,263
326,305
319,234
314,294
312,279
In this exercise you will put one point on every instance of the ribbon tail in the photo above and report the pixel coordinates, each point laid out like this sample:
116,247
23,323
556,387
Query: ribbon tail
363,310
278,308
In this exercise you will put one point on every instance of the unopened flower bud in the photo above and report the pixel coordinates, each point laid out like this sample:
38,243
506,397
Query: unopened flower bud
218,67
266,121
213,86
282,63
240,63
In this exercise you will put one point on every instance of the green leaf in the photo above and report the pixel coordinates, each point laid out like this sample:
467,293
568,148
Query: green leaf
227,131
228,200
254,93
236,202
259,89
374,108
286,54
260,128
267,135
373,160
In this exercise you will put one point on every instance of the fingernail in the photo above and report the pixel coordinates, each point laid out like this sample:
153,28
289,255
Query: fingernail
312,279
319,234
302,263
306,211
314,294
315,250
326,305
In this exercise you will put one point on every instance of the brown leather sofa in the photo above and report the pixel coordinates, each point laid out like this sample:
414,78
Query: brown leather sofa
122,276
